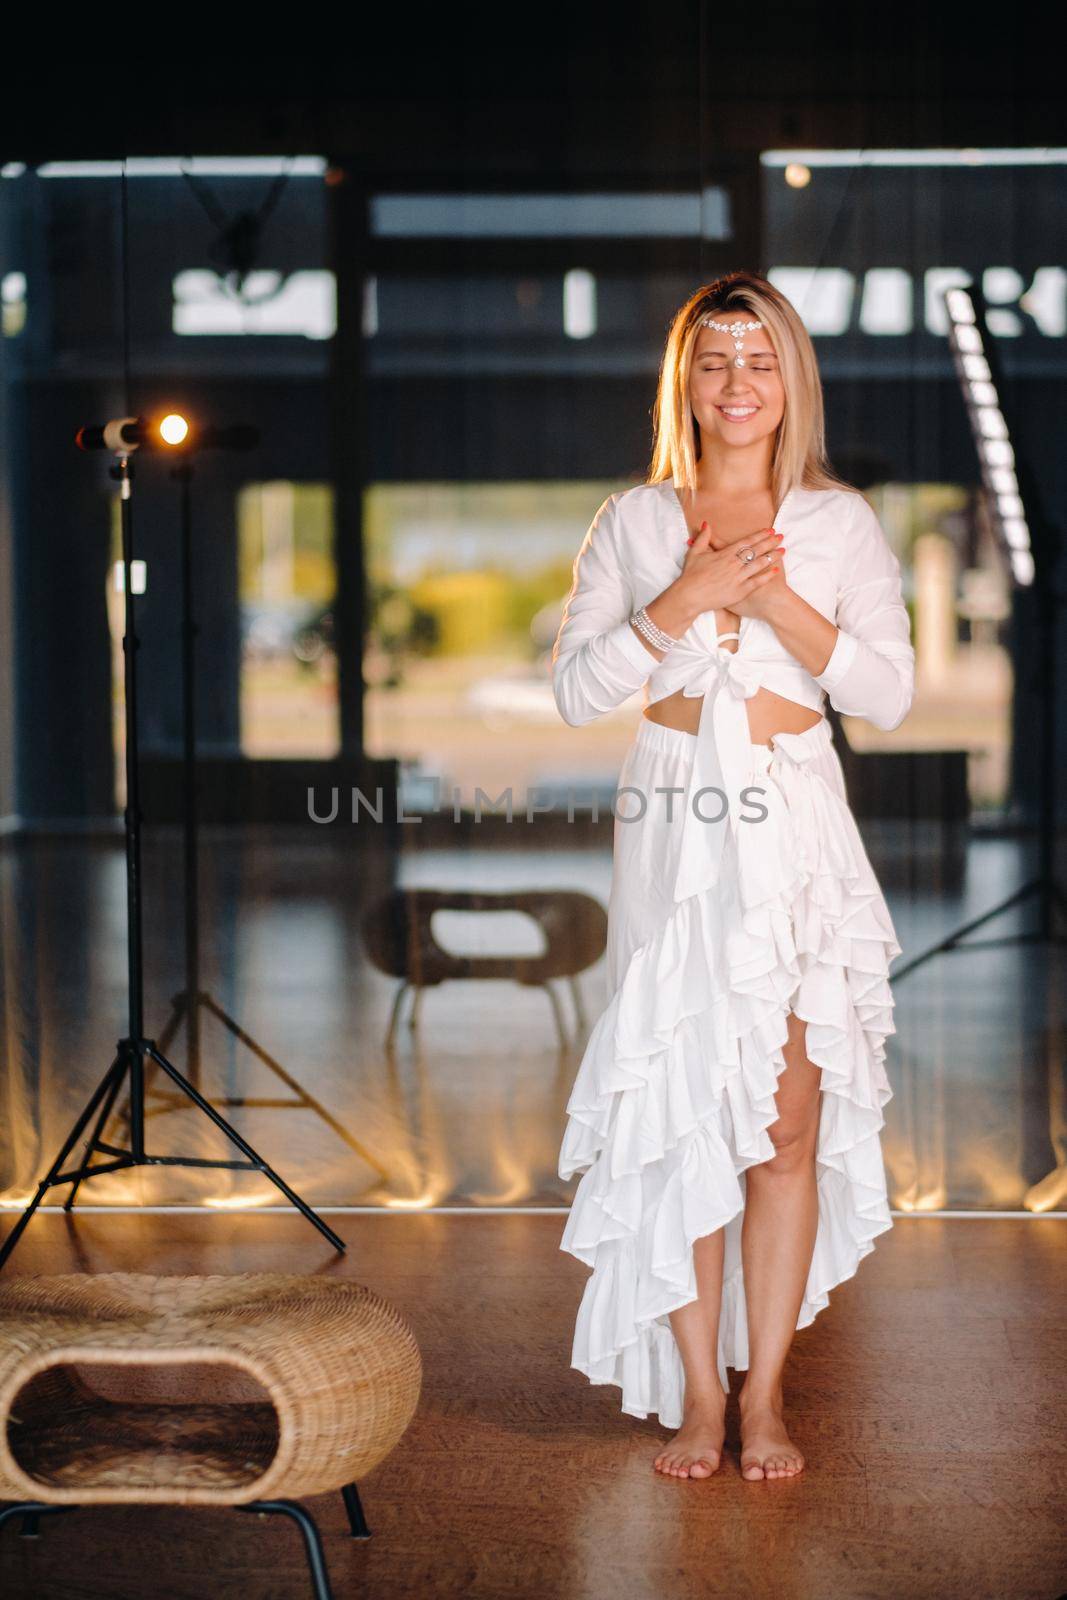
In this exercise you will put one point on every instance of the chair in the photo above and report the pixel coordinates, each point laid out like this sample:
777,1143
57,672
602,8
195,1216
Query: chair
400,941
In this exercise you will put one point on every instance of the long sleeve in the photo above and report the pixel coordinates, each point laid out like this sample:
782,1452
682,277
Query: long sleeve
597,660
871,670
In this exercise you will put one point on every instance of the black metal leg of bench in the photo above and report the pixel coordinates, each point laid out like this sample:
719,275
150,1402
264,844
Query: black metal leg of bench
320,1581
354,1506
31,1511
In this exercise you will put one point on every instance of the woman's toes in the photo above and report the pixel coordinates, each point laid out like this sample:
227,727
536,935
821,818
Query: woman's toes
694,1452
767,1451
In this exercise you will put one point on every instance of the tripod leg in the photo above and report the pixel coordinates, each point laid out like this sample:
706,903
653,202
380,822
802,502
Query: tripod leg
357,1522
110,1078
301,1095
178,1011
320,1582
394,1014
101,1124
245,1148
953,941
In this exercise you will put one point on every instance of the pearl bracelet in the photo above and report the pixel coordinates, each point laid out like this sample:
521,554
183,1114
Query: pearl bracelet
651,631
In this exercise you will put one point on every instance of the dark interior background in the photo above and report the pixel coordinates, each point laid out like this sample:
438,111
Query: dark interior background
467,379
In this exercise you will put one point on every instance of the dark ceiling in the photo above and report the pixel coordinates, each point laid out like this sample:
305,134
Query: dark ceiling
515,94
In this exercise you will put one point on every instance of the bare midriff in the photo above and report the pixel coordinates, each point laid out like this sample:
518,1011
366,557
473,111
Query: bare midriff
768,713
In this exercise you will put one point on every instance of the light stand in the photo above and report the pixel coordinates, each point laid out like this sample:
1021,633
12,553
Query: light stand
134,1049
187,1005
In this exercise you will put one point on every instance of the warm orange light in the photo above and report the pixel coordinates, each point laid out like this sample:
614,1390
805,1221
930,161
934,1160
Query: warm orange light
240,1202
174,429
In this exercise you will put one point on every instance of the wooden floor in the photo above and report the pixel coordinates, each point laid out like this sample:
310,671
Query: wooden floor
470,1108
929,1400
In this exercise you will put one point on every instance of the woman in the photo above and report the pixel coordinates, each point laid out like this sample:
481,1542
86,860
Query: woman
728,1106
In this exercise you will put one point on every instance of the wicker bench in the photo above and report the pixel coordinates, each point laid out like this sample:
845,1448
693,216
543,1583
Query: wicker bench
244,1391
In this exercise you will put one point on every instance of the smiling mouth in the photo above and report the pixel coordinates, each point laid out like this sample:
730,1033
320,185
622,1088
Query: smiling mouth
744,412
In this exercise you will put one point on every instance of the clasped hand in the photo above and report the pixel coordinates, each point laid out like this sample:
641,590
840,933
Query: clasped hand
718,578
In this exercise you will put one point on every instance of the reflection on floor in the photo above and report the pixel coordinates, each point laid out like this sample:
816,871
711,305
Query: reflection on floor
469,1110
927,1399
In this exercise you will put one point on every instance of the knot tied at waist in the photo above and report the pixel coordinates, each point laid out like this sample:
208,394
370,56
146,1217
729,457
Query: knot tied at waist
723,761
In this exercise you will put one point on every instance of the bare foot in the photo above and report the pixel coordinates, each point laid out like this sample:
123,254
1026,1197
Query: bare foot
696,1449
766,1448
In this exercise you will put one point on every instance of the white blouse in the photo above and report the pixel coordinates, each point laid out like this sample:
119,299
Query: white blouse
836,557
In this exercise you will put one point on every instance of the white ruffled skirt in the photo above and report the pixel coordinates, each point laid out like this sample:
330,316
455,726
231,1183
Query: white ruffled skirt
676,1087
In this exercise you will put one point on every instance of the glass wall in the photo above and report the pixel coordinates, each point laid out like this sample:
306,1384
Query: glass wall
445,387
287,588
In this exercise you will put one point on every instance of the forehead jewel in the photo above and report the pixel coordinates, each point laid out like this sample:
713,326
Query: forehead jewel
737,330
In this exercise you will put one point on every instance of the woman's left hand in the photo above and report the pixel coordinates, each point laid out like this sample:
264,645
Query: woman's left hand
766,600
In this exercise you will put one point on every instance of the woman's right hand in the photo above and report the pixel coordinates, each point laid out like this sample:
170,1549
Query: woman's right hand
715,577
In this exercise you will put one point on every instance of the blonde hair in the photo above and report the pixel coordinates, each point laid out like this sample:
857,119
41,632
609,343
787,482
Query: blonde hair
799,459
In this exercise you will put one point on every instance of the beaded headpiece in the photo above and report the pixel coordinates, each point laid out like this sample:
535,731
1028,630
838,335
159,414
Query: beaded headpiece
736,329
